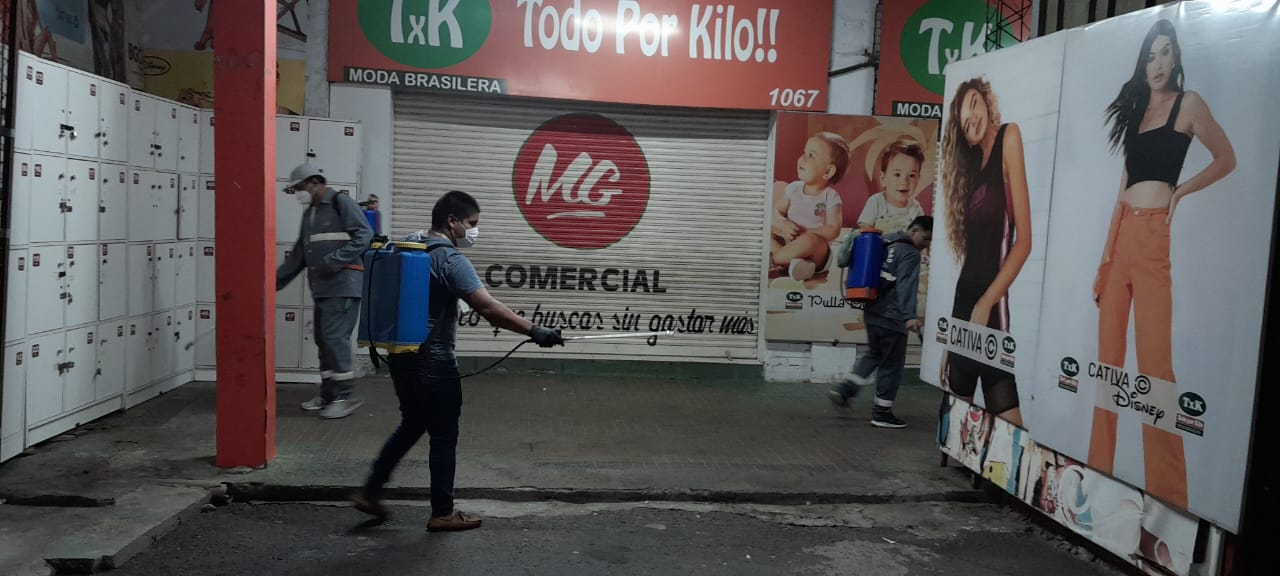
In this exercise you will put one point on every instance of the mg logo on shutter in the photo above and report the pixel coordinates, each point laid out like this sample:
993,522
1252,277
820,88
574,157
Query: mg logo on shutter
582,181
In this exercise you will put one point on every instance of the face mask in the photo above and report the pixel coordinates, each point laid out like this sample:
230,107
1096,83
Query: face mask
303,197
469,240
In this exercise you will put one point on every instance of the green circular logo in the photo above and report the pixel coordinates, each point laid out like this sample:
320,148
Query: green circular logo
1192,404
944,31
1010,346
426,33
1070,367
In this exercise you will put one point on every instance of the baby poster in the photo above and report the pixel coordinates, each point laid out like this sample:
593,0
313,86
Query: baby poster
833,174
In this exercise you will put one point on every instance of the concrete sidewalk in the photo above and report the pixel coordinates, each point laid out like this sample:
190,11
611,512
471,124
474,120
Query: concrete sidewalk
524,437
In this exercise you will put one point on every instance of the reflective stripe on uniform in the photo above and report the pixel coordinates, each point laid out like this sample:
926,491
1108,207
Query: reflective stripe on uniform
323,236
342,376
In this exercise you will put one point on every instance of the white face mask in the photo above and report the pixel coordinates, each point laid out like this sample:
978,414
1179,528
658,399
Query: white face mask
469,240
303,197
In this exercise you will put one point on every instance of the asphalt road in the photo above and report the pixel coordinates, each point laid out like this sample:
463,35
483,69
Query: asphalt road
623,539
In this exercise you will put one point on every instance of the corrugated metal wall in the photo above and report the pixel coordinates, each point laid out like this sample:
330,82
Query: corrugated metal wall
691,263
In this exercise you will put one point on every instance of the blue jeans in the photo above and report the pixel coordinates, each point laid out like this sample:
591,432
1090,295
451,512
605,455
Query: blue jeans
886,353
430,394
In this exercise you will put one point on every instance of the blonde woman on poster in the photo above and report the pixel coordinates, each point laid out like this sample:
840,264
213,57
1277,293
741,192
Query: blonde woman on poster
1152,122
988,211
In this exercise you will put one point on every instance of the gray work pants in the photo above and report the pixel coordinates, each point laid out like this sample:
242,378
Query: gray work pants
335,321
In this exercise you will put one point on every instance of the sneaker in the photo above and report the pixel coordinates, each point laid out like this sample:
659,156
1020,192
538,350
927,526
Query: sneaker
886,419
370,506
455,522
837,398
313,404
340,408
801,269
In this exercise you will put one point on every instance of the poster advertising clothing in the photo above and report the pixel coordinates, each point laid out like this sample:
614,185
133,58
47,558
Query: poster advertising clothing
990,221
1159,244
920,38
747,54
833,175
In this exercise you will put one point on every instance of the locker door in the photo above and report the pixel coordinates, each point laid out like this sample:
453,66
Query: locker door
291,144
113,281
288,337
188,140
20,206
166,135
206,141
48,193
205,276
334,146
142,205
15,315
12,440
292,294
82,114
44,377
142,131
42,97
205,215
188,206
113,202
184,353
137,370
77,382
164,338
166,276
185,274
81,205
310,353
109,377
45,289
82,284
142,279
113,122
288,213
206,343
167,207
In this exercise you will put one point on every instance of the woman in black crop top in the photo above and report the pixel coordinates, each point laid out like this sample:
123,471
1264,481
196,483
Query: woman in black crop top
988,217
1152,121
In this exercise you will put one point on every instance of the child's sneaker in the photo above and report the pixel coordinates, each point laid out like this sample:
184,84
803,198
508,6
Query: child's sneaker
801,269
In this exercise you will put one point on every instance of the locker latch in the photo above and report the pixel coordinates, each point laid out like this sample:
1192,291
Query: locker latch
64,128
65,366
64,207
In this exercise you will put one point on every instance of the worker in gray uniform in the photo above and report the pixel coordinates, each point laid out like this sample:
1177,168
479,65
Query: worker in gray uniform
334,236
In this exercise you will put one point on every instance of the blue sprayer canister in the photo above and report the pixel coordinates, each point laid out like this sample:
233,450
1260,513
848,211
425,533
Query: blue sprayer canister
372,217
394,307
864,266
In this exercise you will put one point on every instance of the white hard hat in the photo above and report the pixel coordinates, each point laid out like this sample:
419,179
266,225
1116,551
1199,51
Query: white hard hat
303,172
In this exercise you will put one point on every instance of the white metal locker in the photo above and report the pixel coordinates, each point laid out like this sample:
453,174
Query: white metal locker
45,289
288,337
113,281
288,213
188,206
42,97
184,353
292,294
109,377
166,135
167,206
143,205
206,141
205,272
113,202
206,193
113,122
185,274
20,205
142,131
81,201
77,381
310,353
82,114
164,337
15,315
166,276
142,279
82,284
206,343
12,427
188,139
291,144
138,350
48,182
334,146
44,377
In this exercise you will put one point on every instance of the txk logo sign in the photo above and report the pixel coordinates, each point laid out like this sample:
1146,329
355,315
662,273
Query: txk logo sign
581,181
426,33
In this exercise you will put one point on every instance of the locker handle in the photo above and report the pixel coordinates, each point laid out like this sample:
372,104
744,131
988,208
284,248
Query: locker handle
64,128
102,209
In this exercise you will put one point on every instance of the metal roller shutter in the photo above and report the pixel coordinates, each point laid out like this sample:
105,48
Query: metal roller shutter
691,263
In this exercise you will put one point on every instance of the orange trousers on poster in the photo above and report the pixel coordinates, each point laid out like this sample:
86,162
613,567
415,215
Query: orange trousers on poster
1138,276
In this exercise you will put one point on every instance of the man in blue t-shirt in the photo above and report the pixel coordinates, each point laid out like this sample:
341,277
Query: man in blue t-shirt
427,382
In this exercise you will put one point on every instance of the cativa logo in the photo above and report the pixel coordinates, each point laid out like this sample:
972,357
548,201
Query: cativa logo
581,181
426,33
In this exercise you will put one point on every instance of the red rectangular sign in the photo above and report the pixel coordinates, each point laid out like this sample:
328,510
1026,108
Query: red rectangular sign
745,54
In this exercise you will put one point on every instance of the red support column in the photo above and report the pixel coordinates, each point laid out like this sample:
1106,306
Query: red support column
245,228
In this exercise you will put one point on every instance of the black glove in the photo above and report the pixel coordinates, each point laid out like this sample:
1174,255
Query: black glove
546,337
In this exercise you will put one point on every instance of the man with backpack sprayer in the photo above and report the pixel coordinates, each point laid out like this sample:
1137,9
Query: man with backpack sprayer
330,245
888,319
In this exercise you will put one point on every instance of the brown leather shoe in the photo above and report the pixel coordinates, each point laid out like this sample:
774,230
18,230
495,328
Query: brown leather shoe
455,522
370,506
